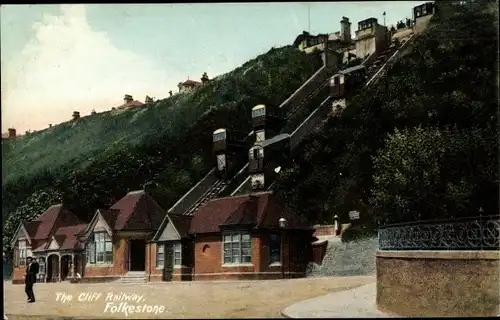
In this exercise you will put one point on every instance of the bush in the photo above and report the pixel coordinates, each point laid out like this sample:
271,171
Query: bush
356,233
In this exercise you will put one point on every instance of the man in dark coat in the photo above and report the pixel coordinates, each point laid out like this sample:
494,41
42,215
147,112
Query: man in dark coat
31,272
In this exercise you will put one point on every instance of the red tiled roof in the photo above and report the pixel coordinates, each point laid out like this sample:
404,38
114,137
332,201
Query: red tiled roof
137,211
31,228
131,104
38,245
47,221
110,215
70,236
190,83
55,221
262,210
181,223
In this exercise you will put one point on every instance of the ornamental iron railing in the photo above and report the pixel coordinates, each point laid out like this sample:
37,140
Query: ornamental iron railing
474,233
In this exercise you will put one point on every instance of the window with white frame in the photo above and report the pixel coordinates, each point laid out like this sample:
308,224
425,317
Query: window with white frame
237,248
177,254
259,112
260,135
220,136
160,255
274,248
100,249
22,252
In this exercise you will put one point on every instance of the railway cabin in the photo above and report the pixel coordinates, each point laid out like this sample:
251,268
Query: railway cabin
267,121
347,82
262,169
228,146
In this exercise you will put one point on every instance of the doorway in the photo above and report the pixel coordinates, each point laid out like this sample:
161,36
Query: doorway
137,255
168,262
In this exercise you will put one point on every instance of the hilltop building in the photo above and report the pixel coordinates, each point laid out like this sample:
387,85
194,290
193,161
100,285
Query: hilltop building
190,85
76,115
422,15
371,38
308,43
129,102
11,134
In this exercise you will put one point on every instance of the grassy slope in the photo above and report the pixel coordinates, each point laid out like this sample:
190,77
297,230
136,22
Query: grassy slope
167,146
120,129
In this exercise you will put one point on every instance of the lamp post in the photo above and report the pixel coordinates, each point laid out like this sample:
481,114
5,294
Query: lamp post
336,224
282,225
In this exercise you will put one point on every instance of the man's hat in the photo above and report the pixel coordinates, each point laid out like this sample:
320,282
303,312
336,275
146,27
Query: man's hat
29,257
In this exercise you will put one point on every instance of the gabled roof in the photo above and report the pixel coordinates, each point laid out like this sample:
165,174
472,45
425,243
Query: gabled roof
57,238
179,223
67,237
189,83
130,104
135,211
54,223
259,210
38,245
47,221
110,216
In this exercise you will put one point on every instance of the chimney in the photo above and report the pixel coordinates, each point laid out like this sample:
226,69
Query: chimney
128,98
50,125
204,78
148,99
12,133
76,115
345,29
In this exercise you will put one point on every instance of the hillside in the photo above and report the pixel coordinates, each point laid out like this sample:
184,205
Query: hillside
166,146
422,143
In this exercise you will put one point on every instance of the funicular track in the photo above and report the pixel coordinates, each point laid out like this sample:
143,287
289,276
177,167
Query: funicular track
212,186
302,118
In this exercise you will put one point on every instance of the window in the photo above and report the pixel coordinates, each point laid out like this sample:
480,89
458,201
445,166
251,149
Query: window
177,254
259,112
260,135
160,255
237,248
336,81
22,252
100,249
221,162
41,264
257,181
274,248
424,10
220,136
256,153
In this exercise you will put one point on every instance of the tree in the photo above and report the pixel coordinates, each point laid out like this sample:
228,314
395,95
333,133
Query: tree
407,174
29,210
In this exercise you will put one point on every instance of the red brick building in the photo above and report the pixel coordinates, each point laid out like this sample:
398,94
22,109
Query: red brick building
115,241
52,239
241,238
228,238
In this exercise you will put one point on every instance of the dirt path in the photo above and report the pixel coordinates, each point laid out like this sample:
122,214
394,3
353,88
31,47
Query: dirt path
231,299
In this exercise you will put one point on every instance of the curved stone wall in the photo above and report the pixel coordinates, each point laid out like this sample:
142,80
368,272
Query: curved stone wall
438,283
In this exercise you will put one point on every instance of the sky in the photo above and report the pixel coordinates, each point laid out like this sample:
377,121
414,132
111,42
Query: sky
56,59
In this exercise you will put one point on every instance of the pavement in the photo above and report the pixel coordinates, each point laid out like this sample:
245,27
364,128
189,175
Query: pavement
359,302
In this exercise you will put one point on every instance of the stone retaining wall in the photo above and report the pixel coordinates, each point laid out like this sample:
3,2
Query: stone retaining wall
438,283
